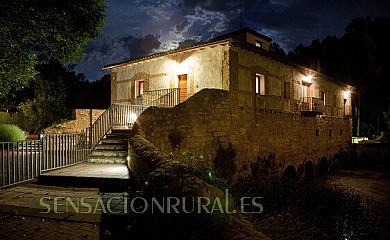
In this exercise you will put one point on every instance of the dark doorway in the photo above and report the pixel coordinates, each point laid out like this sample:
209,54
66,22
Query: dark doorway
323,166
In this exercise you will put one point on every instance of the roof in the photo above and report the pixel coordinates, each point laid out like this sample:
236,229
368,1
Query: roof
243,30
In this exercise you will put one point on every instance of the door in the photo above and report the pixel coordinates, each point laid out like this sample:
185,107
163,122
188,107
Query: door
306,99
183,87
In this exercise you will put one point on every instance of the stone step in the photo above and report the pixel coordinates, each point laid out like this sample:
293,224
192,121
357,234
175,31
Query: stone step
106,177
118,136
114,141
114,147
125,133
121,131
98,159
110,153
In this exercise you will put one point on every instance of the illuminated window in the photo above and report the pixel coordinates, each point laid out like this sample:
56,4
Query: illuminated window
259,44
260,84
139,88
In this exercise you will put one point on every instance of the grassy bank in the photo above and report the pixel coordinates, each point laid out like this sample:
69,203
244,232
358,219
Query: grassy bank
309,210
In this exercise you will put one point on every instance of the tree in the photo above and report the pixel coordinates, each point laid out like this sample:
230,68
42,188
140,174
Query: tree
56,90
359,58
38,31
277,50
49,104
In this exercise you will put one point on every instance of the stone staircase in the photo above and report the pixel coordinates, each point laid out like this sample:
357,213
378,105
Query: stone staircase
112,149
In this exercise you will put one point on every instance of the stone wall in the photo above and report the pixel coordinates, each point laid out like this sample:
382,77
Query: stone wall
283,84
80,121
259,141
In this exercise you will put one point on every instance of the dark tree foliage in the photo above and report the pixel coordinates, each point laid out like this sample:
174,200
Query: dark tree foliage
277,50
358,58
39,31
55,91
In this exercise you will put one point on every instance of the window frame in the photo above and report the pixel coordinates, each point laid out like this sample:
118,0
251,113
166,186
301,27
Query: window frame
138,89
260,86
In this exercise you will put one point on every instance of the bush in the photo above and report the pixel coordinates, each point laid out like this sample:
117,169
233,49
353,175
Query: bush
11,133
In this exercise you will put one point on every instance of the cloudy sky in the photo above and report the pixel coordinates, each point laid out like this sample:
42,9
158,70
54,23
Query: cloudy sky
137,28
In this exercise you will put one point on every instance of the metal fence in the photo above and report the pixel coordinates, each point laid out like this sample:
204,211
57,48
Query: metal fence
312,104
24,161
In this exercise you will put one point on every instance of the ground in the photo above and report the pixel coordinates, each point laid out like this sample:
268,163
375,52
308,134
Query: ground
21,214
371,185
23,217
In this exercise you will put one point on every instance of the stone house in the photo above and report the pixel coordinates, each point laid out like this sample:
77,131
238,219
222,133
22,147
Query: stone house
278,116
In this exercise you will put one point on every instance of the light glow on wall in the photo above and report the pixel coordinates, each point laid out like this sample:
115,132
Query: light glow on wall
307,79
346,94
183,67
132,117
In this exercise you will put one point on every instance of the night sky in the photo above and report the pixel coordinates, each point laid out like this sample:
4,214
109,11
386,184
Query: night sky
137,28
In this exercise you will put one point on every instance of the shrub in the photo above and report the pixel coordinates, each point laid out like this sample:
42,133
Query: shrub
11,133
175,137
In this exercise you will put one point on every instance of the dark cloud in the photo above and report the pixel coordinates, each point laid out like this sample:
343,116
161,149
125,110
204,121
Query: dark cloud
135,28
181,26
213,5
140,46
107,50
187,43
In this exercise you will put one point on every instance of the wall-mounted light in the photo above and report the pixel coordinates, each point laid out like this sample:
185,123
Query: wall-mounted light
307,78
346,94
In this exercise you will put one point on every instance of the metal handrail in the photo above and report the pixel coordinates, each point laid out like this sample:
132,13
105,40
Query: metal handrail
153,98
117,115
171,99
311,104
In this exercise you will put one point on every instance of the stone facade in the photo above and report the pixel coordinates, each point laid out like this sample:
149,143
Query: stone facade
80,121
284,84
268,115
203,68
265,142
232,64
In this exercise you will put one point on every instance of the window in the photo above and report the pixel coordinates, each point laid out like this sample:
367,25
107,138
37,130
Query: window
335,101
286,90
260,84
330,132
259,44
139,87
317,132
322,96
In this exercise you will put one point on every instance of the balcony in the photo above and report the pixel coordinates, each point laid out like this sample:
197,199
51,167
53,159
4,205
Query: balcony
160,98
350,112
311,106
